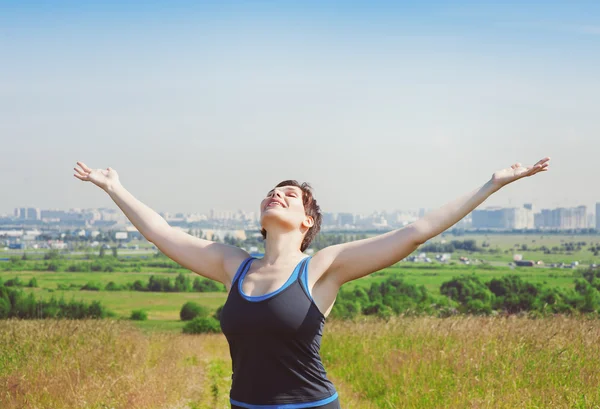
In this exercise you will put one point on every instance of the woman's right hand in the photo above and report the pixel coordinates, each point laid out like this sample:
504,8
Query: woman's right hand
103,178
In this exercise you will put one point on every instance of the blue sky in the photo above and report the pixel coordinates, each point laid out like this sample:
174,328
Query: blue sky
380,105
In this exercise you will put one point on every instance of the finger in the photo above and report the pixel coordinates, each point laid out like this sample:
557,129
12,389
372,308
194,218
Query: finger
544,160
84,167
80,178
532,170
80,172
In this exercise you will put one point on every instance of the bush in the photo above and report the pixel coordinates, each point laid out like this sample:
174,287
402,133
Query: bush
202,325
90,286
32,283
191,310
54,266
15,282
4,308
138,315
112,286
138,286
471,294
513,294
345,309
205,286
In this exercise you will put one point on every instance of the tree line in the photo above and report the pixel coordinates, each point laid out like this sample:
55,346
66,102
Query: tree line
468,294
15,303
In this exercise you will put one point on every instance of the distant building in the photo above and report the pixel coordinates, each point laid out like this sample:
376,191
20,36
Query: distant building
598,215
28,213
345,219
562,218
329,219
505,218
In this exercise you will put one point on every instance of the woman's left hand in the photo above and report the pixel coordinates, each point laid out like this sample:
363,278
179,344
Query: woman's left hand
505,176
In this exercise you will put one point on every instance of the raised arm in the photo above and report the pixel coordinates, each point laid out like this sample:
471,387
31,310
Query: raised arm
348,261
212,260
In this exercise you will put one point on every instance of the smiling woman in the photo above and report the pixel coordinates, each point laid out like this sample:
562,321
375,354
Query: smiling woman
276,306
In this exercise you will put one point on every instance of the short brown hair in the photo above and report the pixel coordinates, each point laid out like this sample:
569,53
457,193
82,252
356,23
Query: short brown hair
311,208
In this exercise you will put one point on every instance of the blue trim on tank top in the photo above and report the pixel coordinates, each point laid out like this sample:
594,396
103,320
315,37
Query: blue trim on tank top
240,269
287,405
304,278
257,298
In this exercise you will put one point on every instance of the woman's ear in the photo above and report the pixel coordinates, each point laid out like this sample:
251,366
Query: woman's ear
308,222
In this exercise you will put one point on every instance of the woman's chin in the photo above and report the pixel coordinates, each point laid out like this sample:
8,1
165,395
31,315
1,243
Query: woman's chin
275,217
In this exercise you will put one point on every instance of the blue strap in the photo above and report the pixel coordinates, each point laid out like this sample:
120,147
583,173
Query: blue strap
304,277
240,269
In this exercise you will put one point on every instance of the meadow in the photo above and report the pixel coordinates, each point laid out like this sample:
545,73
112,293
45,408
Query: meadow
401,362
458,362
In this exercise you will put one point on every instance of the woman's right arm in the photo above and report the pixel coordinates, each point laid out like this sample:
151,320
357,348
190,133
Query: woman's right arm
212,260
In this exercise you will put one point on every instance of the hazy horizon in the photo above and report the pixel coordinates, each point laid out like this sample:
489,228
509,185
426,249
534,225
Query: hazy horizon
379,106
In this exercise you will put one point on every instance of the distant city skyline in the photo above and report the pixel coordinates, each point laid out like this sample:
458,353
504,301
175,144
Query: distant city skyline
379,105
592,209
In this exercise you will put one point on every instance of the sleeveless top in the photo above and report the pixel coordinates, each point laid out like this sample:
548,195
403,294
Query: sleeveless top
274,341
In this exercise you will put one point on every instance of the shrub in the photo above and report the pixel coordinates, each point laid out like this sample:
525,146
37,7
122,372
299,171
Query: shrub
32,283
472,295
513,294
112,286
15,282
138,315
90,286
54,266
345,309
201,325
138,286
191,310
205,286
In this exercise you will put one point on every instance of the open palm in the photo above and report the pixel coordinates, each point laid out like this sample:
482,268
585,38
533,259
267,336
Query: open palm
100,177
518,171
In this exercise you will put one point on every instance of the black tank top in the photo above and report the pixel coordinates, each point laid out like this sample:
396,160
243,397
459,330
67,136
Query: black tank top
274,341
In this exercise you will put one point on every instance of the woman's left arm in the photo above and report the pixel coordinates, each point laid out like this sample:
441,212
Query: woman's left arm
349,261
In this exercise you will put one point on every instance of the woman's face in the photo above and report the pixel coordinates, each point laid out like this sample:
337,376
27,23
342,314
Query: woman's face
283,204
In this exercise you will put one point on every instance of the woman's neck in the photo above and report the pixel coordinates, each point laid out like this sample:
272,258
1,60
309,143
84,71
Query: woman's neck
282,246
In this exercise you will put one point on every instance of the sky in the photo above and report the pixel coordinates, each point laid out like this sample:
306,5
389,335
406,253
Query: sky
379,105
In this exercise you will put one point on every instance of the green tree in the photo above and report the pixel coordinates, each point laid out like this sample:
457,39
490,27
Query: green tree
191,310
471,294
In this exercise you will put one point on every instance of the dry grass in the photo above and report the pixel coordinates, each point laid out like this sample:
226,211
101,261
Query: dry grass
99,364
405,363
466,363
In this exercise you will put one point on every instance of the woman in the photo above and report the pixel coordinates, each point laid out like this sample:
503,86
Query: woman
276,306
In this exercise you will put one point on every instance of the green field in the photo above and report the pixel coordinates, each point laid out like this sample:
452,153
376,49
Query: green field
432,276
163,308
509,244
